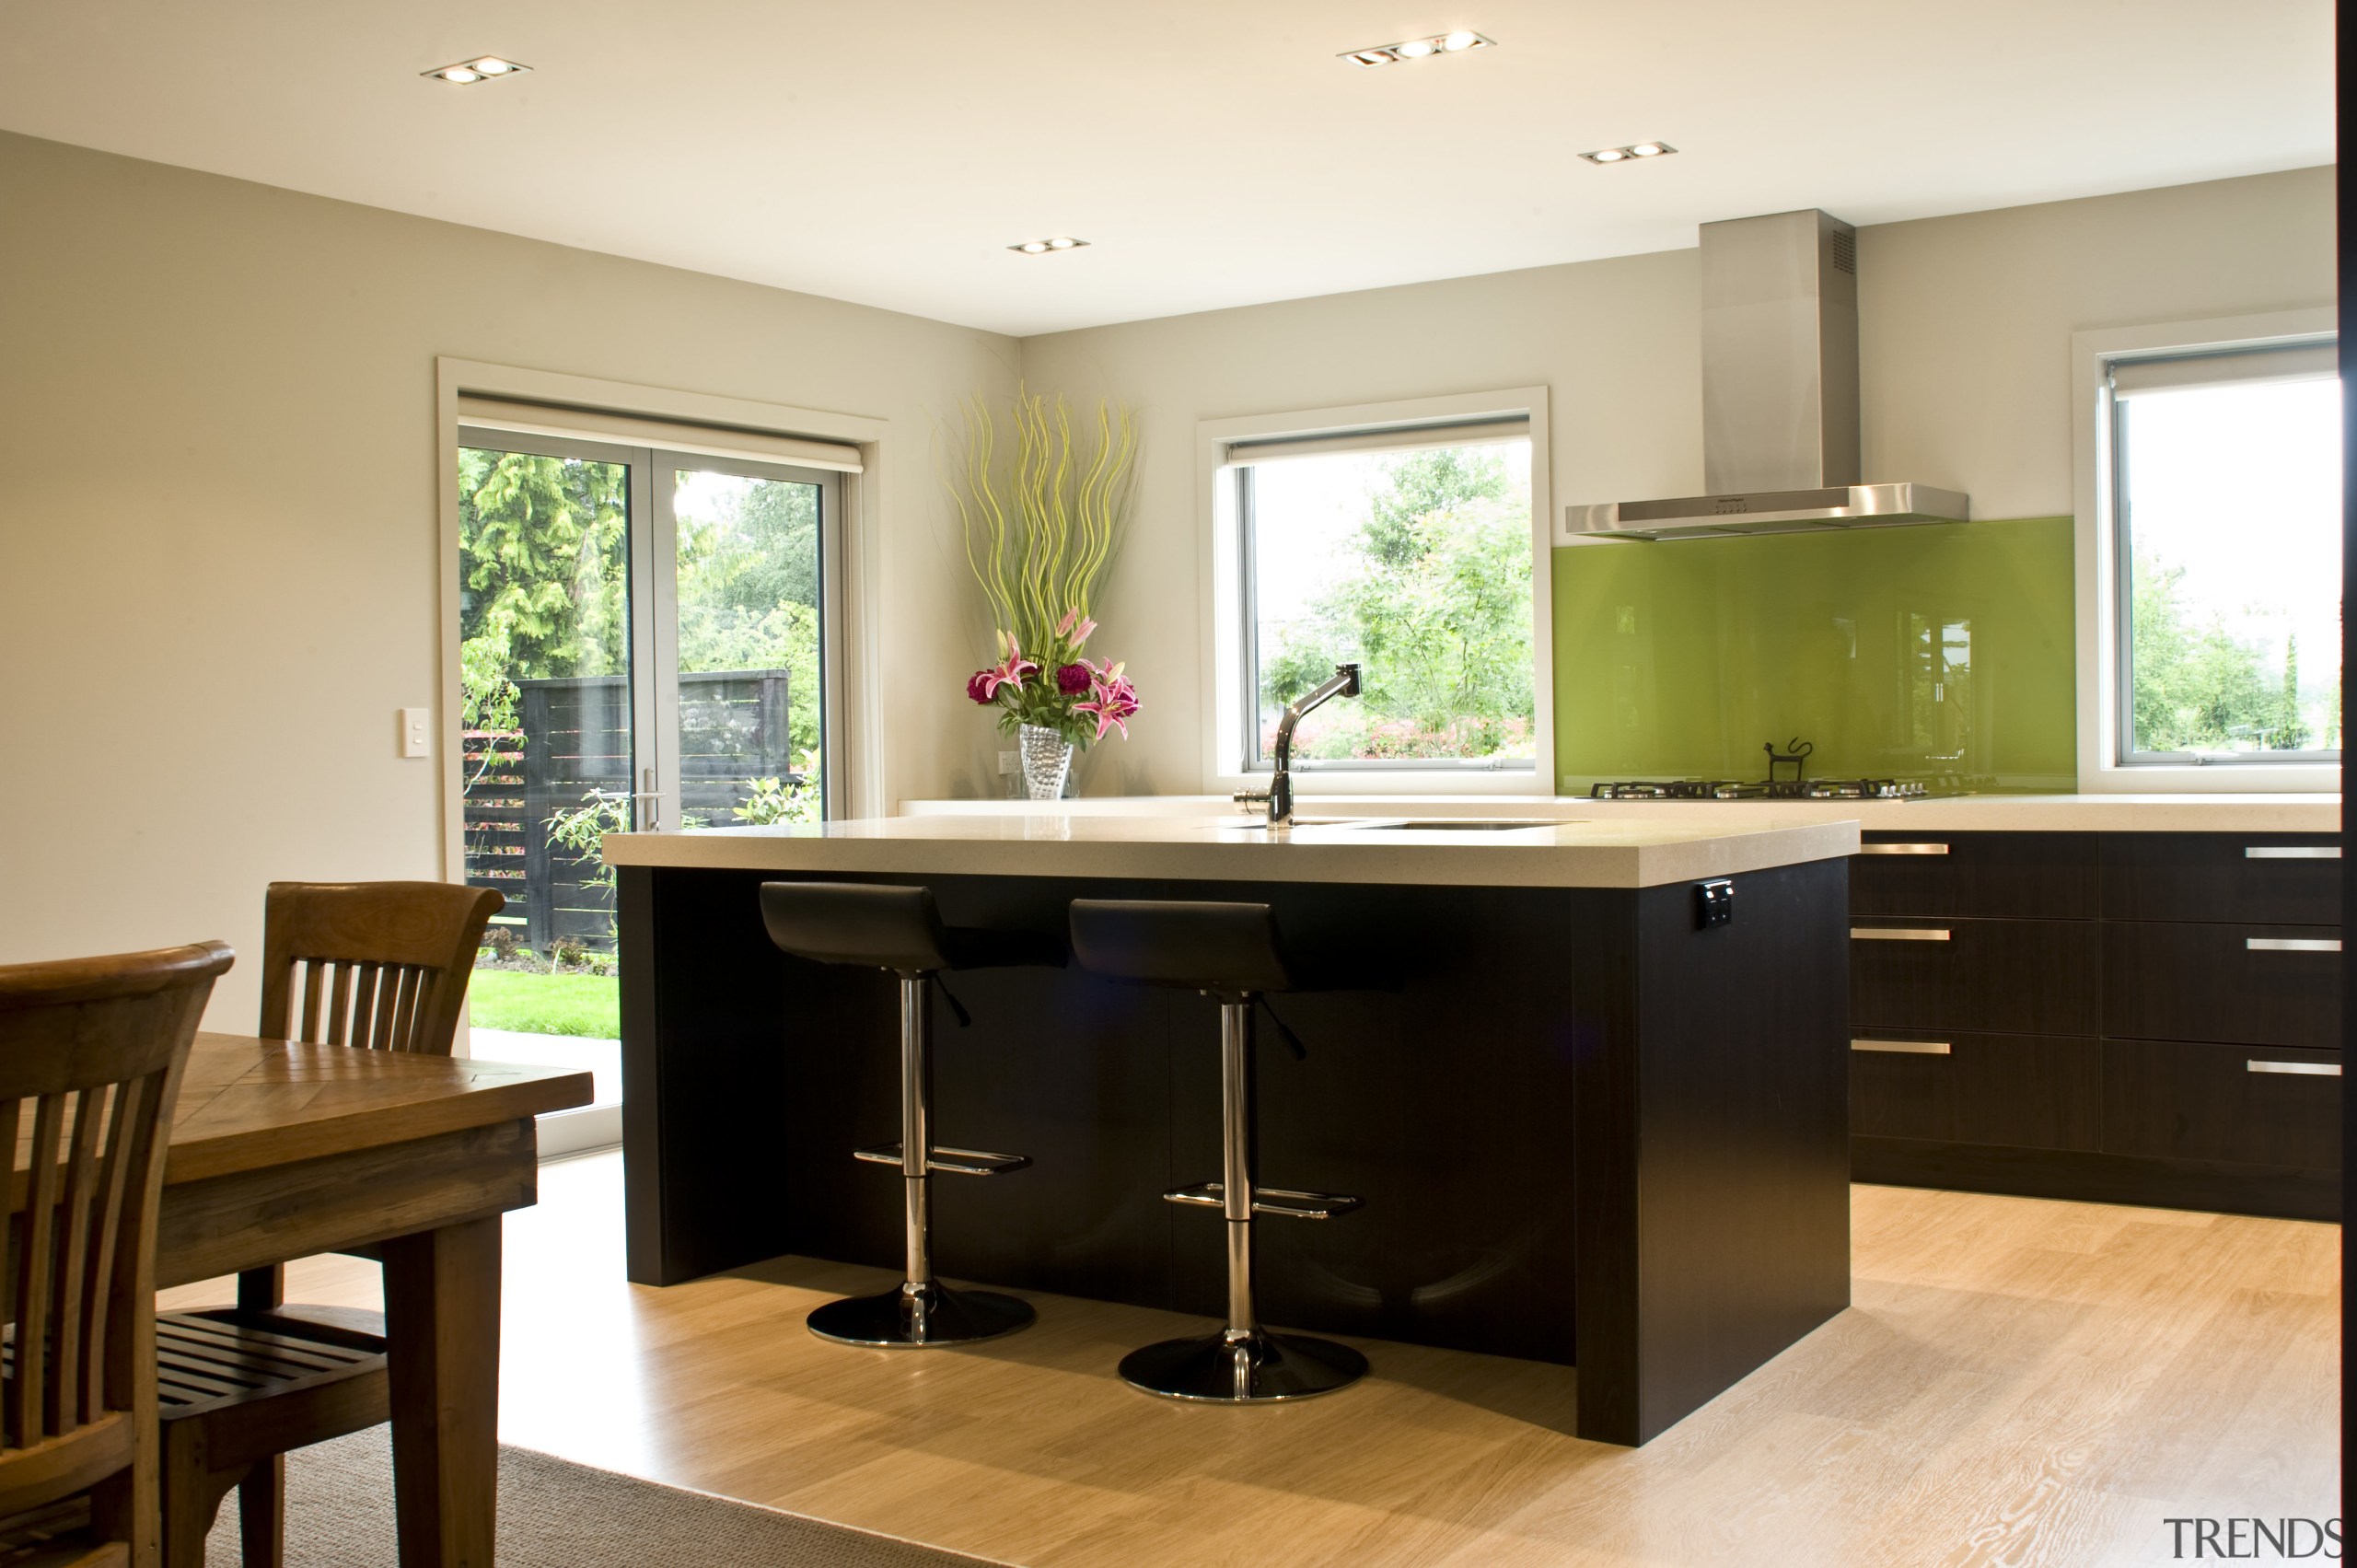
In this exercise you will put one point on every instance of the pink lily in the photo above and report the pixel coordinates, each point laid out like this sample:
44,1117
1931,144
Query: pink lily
1113,700
1075,627
1010,671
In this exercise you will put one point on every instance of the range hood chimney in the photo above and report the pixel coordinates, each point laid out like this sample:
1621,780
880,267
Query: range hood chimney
1780,396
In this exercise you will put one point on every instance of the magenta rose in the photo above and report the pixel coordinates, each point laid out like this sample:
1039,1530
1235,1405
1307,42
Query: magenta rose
981,688
1072,680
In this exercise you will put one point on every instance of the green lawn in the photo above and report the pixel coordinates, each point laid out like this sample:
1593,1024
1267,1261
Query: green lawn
586,1004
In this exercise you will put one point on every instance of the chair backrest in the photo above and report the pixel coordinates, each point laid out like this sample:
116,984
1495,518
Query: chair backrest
92,1054
384,964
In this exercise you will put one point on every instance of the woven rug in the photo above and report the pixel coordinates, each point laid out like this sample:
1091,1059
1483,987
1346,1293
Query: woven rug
556,1514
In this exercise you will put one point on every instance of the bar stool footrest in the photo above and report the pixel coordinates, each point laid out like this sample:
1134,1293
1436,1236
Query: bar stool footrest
1282,1202
948,1162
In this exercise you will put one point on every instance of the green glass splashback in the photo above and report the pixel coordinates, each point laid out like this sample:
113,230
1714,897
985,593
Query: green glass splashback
1934,650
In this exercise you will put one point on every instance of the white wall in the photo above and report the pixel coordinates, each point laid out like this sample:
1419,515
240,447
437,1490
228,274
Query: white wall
1965,329
219,557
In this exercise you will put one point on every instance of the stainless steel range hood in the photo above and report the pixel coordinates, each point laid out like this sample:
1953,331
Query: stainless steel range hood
1780,396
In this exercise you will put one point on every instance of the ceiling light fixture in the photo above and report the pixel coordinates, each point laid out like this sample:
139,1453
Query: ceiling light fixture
1042,247
482,68
1456,43
1623,155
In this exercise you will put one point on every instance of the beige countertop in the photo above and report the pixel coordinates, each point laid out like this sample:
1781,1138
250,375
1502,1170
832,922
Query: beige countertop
1184,841
1961,814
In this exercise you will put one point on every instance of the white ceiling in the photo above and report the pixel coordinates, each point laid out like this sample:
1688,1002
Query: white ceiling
1216,152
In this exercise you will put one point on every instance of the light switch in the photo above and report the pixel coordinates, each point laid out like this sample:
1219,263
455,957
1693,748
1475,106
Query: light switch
417,732
1007,764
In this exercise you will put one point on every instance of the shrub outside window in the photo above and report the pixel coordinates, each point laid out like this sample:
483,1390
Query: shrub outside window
2227,501
1413,559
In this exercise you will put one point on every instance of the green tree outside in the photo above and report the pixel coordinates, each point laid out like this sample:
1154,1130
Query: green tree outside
1434,605
2195,687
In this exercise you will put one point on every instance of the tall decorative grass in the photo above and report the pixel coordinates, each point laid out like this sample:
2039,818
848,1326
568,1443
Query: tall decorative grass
1043,512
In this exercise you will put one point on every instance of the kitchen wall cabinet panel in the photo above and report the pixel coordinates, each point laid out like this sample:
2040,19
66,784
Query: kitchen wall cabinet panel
2292,880
2195,1100
2023,1091
1984,976
2239,984
1994,876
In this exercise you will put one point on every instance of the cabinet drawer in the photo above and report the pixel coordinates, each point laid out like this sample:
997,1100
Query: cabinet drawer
2023,1091
2185,1100
1984,976
2259,879
2247,984
1997,876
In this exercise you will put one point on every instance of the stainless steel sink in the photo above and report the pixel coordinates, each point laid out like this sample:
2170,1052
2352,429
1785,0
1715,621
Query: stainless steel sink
1474,824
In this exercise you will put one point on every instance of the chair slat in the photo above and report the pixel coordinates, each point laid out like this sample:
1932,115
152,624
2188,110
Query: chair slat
388,990
127,1115
311,988
339,1008
397,1037
11,1113
364,982
61,1410
38,1229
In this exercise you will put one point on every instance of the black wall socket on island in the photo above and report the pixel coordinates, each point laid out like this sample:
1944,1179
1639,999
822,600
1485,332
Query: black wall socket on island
1714,903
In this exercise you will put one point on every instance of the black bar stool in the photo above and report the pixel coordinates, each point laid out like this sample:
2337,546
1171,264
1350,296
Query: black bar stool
1230,952
900,929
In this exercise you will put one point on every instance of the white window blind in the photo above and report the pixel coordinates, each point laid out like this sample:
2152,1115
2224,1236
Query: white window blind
1400,438
670,435
2197,372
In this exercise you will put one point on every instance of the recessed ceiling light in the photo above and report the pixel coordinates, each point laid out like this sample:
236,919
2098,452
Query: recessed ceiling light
1455,42
1042,247
481,69
1623,155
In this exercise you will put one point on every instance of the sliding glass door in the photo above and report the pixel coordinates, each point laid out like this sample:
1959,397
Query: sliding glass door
643,642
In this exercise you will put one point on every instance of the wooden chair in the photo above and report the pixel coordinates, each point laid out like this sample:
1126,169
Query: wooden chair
92,1054
377,966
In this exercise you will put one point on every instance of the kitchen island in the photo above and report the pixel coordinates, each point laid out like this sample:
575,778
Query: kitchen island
1586,1128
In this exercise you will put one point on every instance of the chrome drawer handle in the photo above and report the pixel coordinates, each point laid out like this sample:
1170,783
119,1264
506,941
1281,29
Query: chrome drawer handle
2305,1069
2286,944
1898,933
2292,852
1903,1047
1902,849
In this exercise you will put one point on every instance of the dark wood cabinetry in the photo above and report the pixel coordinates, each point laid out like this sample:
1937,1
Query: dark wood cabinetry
2130,1018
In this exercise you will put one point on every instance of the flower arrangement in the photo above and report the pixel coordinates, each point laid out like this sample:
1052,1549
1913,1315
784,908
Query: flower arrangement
1060,691
1039,528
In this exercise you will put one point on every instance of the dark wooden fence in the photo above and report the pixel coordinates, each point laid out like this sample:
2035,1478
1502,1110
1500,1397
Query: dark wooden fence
573,740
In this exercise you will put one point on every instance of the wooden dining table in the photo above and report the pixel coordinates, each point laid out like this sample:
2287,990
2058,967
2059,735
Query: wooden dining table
280,1151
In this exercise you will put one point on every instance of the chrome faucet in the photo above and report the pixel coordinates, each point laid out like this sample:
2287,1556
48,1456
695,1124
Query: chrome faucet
1343,682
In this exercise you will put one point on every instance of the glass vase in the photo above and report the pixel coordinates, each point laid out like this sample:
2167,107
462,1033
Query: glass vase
1046,759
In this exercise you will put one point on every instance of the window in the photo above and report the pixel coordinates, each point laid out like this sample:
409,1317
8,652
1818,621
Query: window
1411,552
2225,550
643,640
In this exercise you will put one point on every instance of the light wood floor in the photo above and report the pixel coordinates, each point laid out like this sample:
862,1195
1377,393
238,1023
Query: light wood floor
2018,1382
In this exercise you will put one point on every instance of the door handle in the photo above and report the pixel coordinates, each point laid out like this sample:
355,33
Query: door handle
2292,943
2291,851
1898,933
1902,849
2305,1069
1903,1047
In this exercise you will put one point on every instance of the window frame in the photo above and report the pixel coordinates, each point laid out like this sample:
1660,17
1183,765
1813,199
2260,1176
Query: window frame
2101,565
857,759
1227,621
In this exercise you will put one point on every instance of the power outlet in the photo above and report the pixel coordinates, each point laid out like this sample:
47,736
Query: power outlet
417,732
1006,764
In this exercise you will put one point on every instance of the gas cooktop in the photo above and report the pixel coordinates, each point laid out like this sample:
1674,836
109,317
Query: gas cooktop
1767,789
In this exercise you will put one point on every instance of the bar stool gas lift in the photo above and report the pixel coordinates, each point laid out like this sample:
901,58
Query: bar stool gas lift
1229,952
900,929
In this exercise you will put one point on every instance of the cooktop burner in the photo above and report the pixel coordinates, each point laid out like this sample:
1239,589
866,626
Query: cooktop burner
1761,789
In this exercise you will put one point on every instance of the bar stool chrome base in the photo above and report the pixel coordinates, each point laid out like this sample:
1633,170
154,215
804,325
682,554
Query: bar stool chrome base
932,1314
1259,1368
